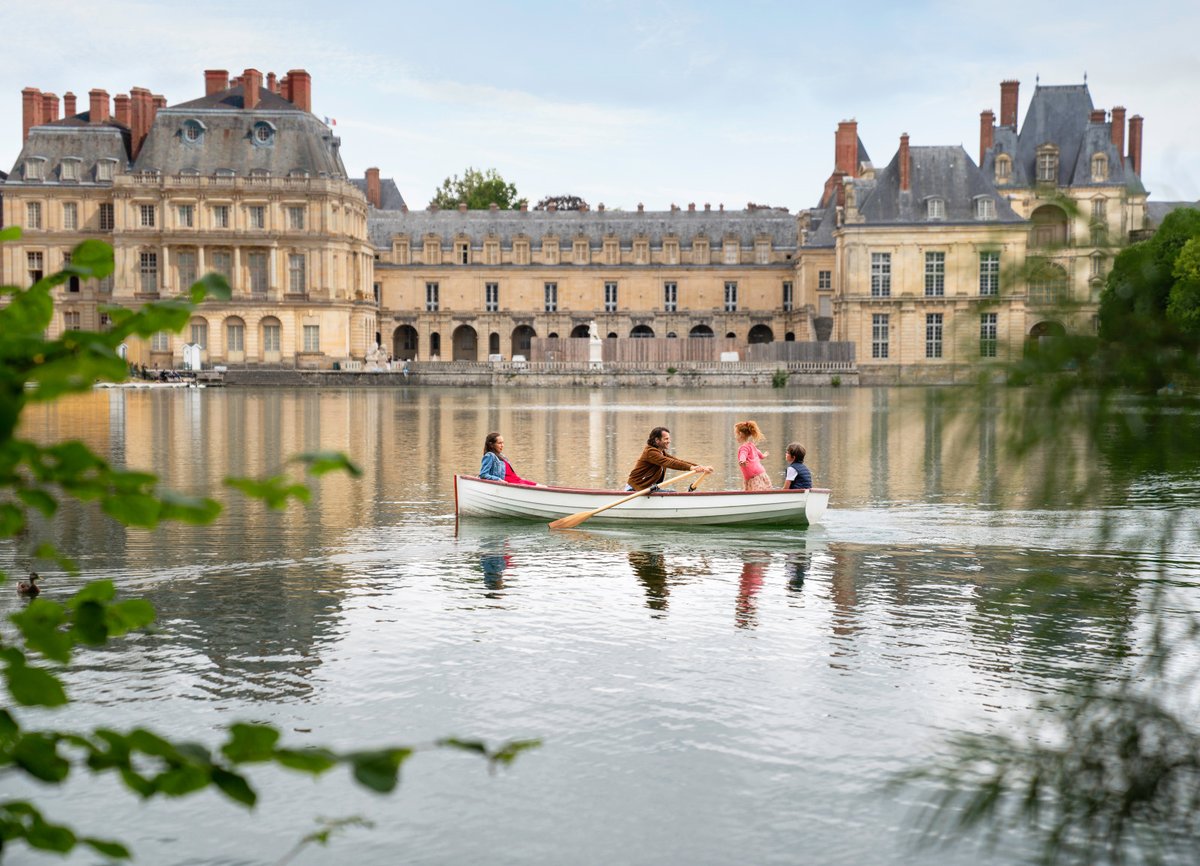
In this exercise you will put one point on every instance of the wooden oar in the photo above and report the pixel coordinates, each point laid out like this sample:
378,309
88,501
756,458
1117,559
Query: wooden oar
698,482
573,520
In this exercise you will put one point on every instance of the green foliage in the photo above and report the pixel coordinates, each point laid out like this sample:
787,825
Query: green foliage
561,202
479,189
779,379
35,477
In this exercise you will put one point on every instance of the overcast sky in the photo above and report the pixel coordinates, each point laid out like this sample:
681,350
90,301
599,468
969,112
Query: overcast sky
621,102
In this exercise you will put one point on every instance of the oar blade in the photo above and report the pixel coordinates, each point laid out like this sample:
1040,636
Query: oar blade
571,520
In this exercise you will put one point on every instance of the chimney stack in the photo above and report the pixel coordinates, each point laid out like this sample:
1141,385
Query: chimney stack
374,195
1097,115
987,132
904,163
49,107
251,85
845,148
272,84
641,207
1118,131
142,116
69,104
121,109
1008,102
462,207
97,106
300,83
159,101
215,80
1135,144
31,110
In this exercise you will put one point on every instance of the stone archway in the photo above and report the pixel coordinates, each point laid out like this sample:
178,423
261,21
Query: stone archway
641,332
761,334
465,344
1049,227
522,336
703,332
405,343
580,332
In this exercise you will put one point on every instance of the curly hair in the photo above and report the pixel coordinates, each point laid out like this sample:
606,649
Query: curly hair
748,430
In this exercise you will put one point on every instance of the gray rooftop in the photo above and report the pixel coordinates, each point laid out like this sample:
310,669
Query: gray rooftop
747,226
89,144
389,194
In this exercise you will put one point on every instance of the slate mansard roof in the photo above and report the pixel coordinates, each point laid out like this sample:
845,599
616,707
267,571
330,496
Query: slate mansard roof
779,227
389,194
1061,115
73,139
945,172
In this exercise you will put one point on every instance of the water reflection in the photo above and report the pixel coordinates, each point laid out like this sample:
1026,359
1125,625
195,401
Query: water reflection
651,570
749,583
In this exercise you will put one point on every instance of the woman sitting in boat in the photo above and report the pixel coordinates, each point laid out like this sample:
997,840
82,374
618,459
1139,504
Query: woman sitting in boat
651,468
494,467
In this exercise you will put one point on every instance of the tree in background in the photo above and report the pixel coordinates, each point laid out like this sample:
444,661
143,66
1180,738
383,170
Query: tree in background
562,202
479,189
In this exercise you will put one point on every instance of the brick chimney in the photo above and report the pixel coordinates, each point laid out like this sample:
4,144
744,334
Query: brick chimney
987,132
1135,144
31,110
300,83
374,194
215,80
641,207
845,148
1118,130
251,85
97,106
272,84
49,107
121,109
1008,102
904,163
159,101
285,88
1097,115
142,116
69,104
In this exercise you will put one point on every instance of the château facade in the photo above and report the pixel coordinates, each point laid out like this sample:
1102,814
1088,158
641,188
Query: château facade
933,266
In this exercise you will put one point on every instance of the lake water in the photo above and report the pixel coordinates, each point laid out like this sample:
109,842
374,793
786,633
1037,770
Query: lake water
704,697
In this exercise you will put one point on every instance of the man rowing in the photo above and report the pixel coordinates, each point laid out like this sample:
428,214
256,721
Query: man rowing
651,468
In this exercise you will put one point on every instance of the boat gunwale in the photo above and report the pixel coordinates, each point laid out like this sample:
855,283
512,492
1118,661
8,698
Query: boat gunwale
593,491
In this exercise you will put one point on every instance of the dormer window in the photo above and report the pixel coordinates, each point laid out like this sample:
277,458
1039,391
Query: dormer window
264,134
1099,168
69,169
35,168
105,169
1047,164
193,131
1003,168
985,208
935,208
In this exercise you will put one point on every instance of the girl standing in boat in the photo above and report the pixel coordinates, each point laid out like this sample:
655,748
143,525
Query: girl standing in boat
494,467
749,457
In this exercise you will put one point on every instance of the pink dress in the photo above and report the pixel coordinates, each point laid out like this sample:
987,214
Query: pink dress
512,477
750,460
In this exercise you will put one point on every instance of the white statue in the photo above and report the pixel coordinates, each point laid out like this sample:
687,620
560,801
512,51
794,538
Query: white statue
595,348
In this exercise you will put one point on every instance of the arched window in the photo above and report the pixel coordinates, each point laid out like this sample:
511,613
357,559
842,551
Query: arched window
1049,284
435,345
522,337
466,344
404,343
701,332
641,332
580,332
730,335
760,334
270,331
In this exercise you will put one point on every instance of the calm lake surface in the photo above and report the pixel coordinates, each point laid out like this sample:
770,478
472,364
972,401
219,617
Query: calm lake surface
704,697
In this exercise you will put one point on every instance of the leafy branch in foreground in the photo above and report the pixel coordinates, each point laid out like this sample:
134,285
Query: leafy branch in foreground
36,477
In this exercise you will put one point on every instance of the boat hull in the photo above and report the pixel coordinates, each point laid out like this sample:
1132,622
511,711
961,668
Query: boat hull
477,497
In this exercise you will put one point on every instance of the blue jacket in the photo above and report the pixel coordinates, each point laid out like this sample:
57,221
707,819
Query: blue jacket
491,467
803,479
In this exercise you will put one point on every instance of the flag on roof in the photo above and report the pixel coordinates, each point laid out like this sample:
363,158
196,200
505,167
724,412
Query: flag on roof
331,121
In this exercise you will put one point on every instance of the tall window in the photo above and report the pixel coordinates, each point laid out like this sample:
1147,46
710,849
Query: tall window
104,169
987,335
33,215
73,283
933,335
235,337
731,253
879,335
146,216
35,263
881,275
148,272
551,297
989,273
297,283
161,342
71,320
199,333
256,265
824,281
187,215
1003,168
1099,208
491,297
312,338
935,274
185,265
257,214
1097,265
1047,166
985,208
936,209
762,253
464,254
271,338
670,297
431,297
222,263
1099,168
69,169
220,214
731,297
787,295
106,217
610,297
296,217
70,215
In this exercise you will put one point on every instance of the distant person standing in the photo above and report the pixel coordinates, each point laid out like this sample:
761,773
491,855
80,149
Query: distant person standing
749,458
797,477
651,468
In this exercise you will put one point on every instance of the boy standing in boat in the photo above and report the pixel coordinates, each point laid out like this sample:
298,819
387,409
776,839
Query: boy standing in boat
651,468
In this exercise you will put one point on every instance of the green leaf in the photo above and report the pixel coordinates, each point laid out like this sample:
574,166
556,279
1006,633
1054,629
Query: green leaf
33,687
507,753
133,509
96,257
89,624
37,755
274,491
39,499
40,623
45,836
188,509
249,743
107,847
378,770
11,233
181,781
46,550
125,616
234,787
321,462
211,285
96,590
475,746
12,520
314,761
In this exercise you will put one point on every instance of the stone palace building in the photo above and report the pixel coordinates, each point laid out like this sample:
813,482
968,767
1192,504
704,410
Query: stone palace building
930,266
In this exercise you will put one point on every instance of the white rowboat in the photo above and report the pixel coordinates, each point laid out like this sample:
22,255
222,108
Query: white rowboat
478,497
